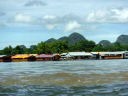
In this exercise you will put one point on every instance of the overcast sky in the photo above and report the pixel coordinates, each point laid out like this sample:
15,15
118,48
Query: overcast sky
31,21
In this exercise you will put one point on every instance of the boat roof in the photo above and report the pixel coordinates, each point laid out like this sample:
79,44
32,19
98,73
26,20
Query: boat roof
80,54
21,56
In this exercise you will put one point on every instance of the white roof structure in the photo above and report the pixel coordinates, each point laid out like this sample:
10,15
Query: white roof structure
109,53
63,54
79,54
95,52
2,56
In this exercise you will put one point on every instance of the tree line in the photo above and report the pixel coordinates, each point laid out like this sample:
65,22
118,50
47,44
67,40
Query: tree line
61,47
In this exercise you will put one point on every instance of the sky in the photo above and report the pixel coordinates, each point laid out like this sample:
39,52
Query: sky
28,22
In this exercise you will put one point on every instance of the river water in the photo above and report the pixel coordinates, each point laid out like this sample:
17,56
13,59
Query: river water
65,78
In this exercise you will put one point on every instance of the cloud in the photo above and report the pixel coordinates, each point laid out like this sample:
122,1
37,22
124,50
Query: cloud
66,21
62,20
98,16
22,18
2,24
72,22
35,3
51,26
50,21
2,13
119,15
49,17
72,25
70,17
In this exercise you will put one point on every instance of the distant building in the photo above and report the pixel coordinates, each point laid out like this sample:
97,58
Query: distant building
23,57
76,55
125,54
4,58
110,55
1,58
96,55
48,57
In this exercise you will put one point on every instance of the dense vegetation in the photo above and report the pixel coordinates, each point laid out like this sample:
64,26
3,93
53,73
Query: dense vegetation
75,42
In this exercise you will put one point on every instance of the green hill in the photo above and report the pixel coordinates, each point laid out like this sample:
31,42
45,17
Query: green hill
71,39
122,39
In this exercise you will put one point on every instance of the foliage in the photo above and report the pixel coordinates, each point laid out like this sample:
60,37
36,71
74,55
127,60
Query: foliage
8,50
83,45
62,46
